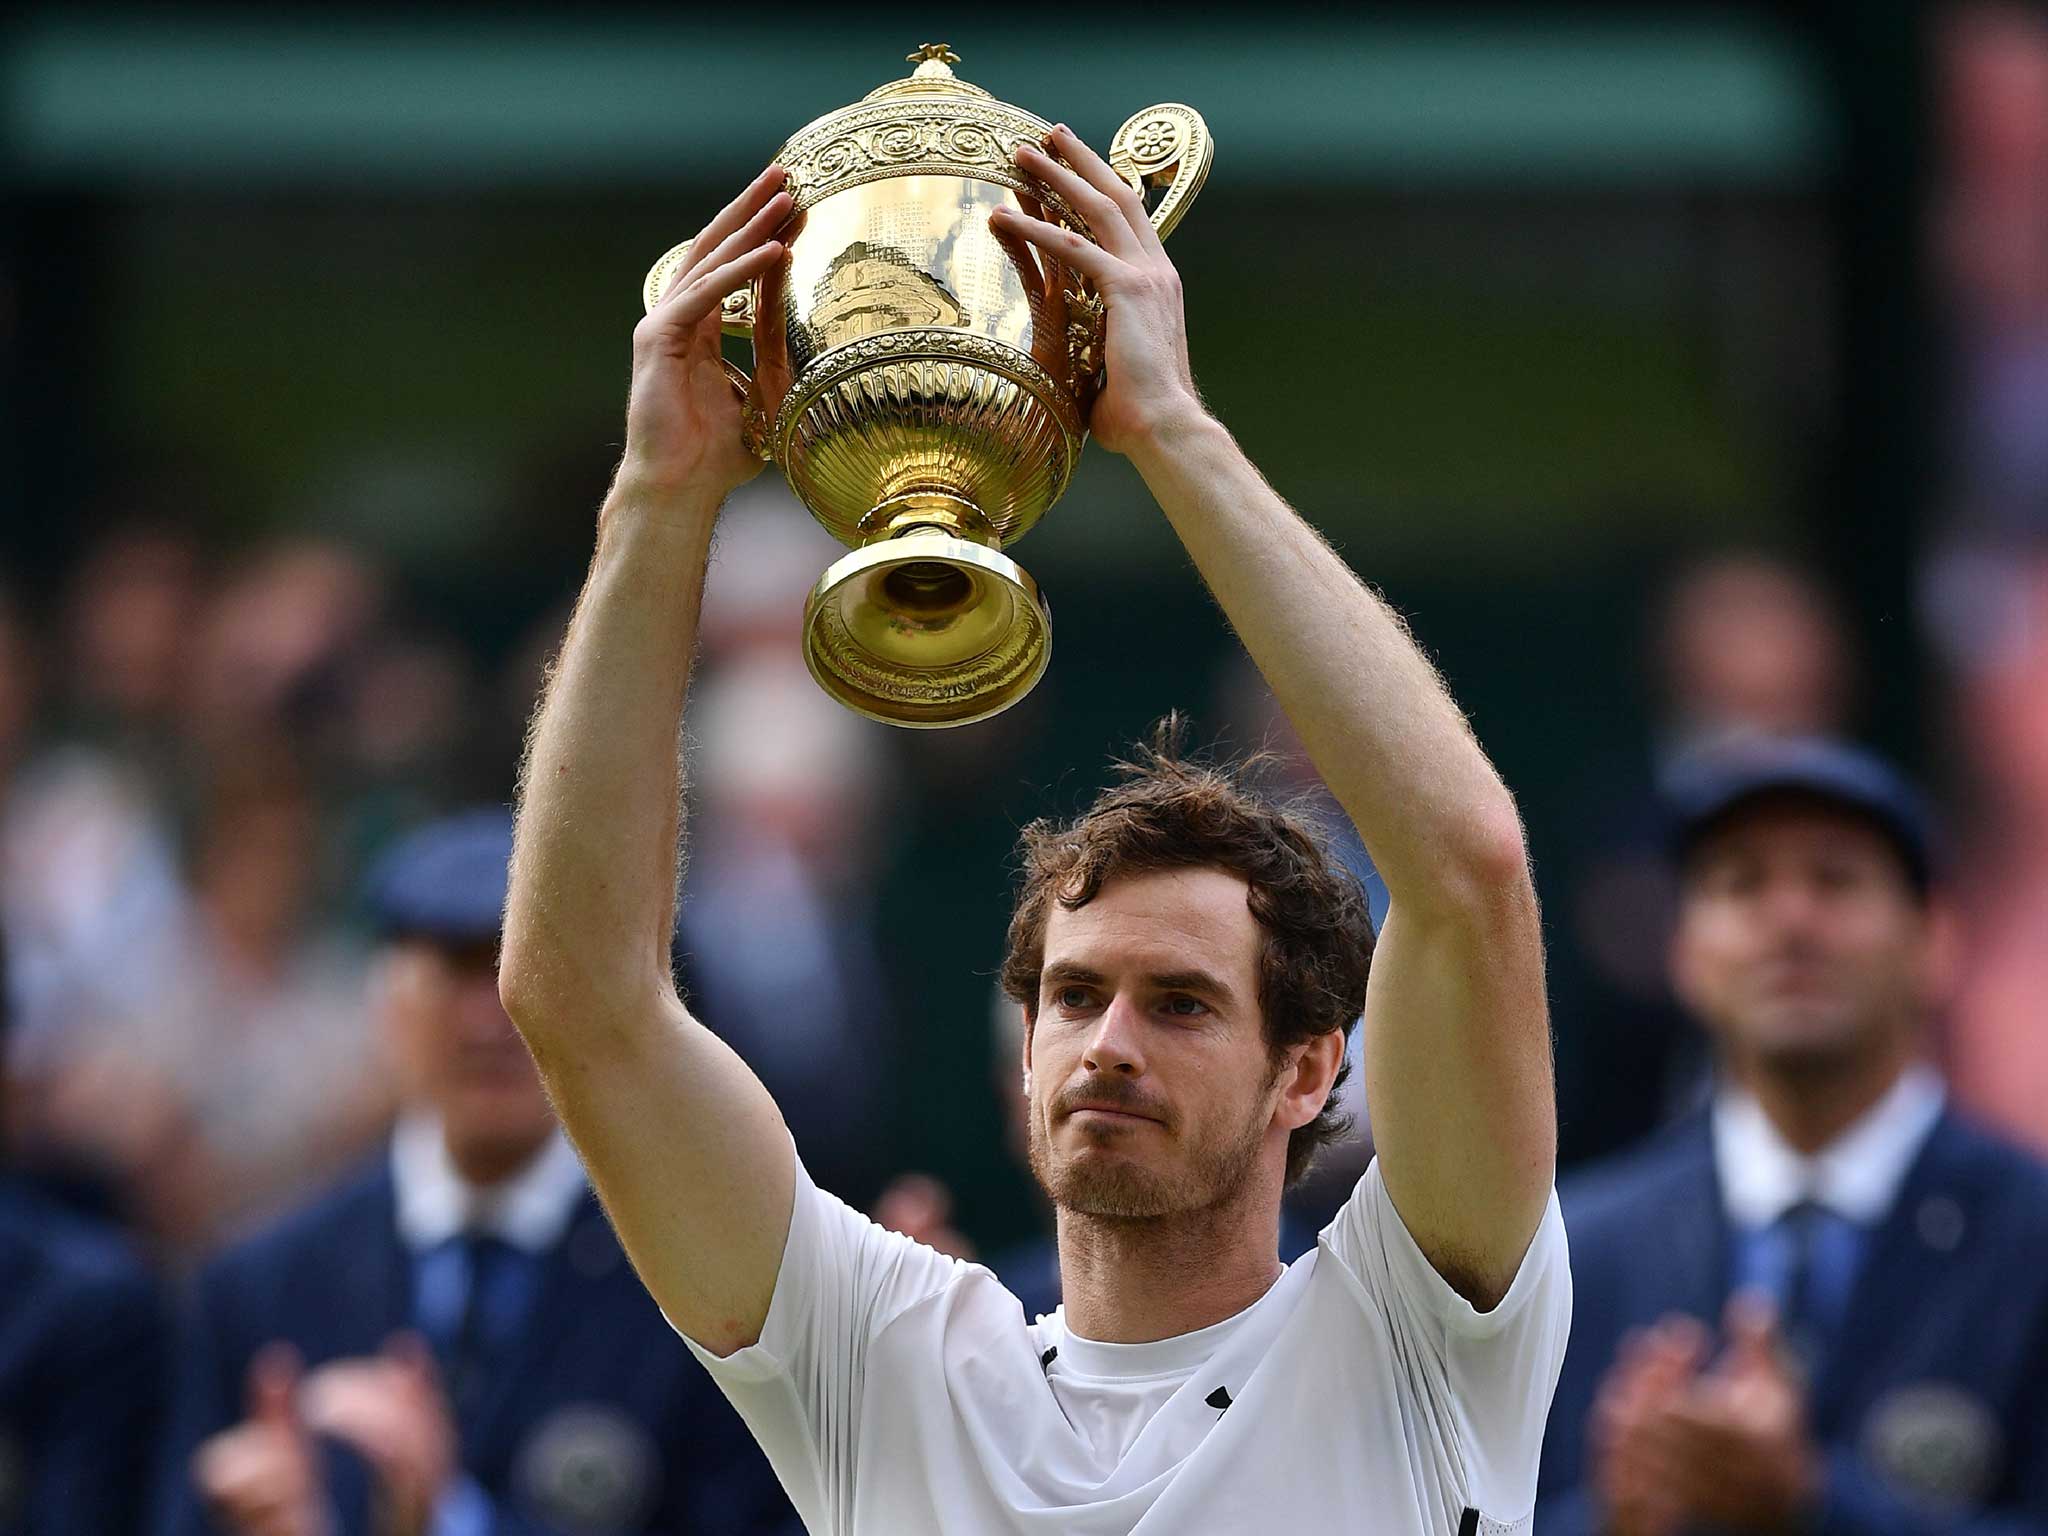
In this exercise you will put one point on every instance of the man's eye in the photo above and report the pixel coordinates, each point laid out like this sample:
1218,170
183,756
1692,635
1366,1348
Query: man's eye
1186,1007
1071,997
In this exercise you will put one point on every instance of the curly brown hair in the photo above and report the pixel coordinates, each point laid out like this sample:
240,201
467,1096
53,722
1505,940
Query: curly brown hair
1169,812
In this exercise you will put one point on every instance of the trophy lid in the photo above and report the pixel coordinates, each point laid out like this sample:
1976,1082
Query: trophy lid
931,122
933,76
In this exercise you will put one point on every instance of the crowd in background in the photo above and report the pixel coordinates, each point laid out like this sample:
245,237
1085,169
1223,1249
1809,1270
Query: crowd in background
202,752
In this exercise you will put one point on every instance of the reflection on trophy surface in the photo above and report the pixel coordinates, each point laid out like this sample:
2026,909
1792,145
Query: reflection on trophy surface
925,384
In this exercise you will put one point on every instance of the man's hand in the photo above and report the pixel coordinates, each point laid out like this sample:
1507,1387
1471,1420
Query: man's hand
1634,1467
392,1410
683,422
1150,383
1675,1447
1746,1461
262,1477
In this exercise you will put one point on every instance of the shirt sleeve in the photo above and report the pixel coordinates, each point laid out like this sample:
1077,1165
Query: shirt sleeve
1487,1376
799,1388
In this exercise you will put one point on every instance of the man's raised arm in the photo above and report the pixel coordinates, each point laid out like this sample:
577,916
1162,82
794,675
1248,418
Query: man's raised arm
1457,1039
684,1144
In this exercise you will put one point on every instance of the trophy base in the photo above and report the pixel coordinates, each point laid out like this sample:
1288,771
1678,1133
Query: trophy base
927,630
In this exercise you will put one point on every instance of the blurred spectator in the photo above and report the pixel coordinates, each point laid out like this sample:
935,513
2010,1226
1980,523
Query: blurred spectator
770,552
1991,238
451,1341
1870,1254
418,737
242,1068
166,868
1998,1030
278,649
128,625
775,938
88,852
82,1368
1748,643
1739,643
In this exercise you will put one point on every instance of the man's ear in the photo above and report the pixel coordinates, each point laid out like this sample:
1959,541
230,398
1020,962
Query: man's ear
1308,1077
1030,1023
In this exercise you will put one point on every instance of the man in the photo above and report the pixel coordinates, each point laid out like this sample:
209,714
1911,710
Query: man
1185,986
83,1336
451,1342
1873,1260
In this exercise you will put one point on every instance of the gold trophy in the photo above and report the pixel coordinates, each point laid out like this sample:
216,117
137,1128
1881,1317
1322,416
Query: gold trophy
926,384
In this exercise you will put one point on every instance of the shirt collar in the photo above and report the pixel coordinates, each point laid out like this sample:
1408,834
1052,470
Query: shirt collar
529,1211
1857,1175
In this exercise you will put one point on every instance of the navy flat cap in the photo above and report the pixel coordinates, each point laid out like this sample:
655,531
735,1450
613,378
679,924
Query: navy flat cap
445,880
1706,786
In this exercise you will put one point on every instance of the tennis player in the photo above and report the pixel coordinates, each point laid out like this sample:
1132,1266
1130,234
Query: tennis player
1188,963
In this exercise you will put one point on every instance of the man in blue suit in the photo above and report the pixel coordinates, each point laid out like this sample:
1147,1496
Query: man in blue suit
1822,1304
451,1343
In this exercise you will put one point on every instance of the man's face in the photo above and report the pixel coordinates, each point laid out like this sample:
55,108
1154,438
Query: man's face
1800,938
1152,1089
459,1054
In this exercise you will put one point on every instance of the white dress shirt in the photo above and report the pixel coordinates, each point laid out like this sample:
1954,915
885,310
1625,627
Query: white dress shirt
529,1211
1856,1176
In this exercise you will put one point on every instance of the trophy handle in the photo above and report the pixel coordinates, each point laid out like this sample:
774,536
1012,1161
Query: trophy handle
735,318
1164,146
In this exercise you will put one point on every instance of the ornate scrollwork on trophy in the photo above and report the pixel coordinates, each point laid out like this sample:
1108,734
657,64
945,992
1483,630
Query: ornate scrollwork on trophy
1164,146
841,363
1087,331
866,144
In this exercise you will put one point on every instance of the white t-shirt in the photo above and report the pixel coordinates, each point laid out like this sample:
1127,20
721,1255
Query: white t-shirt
899,1392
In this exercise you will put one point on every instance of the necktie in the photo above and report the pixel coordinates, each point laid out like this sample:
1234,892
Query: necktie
487,1319
1811,1299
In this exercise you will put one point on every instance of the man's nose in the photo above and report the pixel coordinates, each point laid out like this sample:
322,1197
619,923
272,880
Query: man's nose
1791,906
1116,1044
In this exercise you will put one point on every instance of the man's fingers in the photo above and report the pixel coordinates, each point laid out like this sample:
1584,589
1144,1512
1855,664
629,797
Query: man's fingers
734,214
1102,176
1677,1346
220,1464
1751,1323
1109,221
1076,251
273,1385
708,289
768,218
705,292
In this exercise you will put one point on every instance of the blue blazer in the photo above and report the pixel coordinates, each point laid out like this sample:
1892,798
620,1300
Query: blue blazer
600,1420
1932,1406
84,1341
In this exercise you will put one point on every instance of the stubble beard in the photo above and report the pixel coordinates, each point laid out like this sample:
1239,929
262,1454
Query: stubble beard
1125,1190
